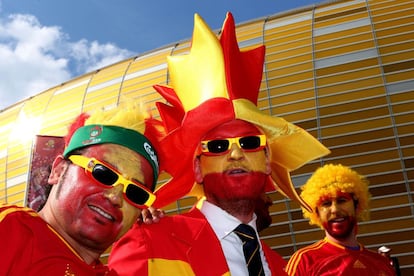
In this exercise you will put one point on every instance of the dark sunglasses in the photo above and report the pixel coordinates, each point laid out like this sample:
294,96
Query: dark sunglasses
135,193
222,146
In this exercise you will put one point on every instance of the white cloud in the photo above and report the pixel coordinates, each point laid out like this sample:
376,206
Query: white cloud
92,55
34,58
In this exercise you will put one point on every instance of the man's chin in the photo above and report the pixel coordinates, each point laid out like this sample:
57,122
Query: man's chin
250,185
341,230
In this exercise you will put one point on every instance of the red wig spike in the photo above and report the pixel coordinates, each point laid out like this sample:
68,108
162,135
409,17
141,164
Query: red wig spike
79,122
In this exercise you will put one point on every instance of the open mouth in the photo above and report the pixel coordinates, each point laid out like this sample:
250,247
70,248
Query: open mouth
101,212
237,171
337,220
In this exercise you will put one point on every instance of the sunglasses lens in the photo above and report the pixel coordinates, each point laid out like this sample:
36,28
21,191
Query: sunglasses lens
104,175
249,142
136,194
217,146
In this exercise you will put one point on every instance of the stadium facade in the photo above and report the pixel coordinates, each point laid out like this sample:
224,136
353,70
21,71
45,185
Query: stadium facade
343,70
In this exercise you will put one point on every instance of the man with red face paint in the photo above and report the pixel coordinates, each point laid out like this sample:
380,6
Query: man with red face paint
217,145
339,198
100,184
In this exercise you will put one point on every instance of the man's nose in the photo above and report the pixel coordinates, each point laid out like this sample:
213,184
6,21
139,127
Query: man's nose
334,206
236,153
114,195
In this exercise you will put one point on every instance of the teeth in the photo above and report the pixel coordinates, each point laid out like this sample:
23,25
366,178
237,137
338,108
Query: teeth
101,212
237,171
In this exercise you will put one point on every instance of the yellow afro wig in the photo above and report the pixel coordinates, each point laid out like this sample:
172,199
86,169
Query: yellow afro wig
330,180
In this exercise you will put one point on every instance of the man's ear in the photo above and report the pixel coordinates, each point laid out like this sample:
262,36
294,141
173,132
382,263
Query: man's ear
59,167
197,171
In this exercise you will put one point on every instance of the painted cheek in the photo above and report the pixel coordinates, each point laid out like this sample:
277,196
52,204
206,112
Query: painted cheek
212,164
254,161
130,216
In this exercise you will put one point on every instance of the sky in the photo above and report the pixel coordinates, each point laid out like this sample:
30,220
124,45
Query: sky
44,43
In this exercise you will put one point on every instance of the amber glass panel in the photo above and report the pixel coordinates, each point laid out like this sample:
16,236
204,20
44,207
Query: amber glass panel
287,47
354,116
401,46
341,40
394,22
392,31
406,118
349,107
383,226
291,69
297,115
354,127
355,85
395,39
395,12
385,190
341,10
291,32
365,147
290,61
290,78
344,33
408,152
376,94
293,97
404,107
344,49
276,88
293,52
405,129
293,107
342,17
378,7
399,76
402,97
349,76
395,234
350,66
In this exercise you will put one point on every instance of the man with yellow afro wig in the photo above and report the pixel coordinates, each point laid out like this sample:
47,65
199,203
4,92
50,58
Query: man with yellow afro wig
339,198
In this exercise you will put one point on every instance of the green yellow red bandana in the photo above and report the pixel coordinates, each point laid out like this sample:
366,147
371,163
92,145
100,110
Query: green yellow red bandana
101,134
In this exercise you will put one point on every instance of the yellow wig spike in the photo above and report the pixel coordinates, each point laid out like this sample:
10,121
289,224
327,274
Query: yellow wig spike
131,116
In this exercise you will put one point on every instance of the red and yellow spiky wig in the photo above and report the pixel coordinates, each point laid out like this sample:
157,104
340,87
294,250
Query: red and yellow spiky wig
213,84
329,181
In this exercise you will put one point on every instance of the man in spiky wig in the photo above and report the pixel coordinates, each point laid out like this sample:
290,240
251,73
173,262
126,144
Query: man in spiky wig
339,198
100,184
216,143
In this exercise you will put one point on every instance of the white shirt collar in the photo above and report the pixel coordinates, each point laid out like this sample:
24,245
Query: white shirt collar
222,222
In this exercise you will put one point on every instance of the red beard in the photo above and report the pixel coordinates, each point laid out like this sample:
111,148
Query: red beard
341,230
244,186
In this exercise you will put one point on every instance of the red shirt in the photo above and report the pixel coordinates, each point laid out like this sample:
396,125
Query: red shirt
29,246
327,258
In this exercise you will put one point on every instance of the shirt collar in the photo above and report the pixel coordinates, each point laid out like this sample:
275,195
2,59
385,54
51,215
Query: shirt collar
222,222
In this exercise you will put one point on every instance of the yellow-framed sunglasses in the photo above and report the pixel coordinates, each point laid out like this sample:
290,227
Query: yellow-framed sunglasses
134,192
223,145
